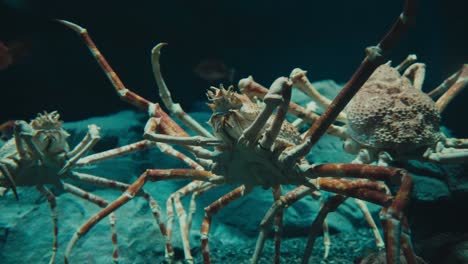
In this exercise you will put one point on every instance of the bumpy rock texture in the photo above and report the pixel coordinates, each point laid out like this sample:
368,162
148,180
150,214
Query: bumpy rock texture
389,113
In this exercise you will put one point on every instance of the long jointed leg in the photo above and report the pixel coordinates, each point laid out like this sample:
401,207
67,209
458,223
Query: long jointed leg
99,202
25,146
150,134
273,99
184,222
253,89
135,188
50,197
278,225
165,95
170,127
116,152
282,202
91,138
376,55
458,85
300,81
211,210
116,185
375,192
328,206
367,215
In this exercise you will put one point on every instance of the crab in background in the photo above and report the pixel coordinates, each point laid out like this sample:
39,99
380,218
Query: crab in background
254,147
38,155
391,119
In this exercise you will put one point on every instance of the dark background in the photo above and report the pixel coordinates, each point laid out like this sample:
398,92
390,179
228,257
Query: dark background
262,38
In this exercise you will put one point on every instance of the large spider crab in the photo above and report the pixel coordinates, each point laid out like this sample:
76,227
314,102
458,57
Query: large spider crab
254,147
391,93
39,155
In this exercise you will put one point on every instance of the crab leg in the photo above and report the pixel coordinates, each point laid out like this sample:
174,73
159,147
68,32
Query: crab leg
99,202
174,198
54,214
272,100
416,72
272,132
284,201
135,188
278,226
165,95
169,127
329,206
446,84
300,80
447,156
193,205
376,55
213,209
153,123
460,83
456,142
87,143
116,152
116,185
367,215
91,138
406,63
297,194
392,214
23,134
254,89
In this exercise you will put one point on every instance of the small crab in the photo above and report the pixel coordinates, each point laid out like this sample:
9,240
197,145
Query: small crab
39,155
254,147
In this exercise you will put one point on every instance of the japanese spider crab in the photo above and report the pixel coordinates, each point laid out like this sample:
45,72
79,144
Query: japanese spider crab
254,147
39,155
391,93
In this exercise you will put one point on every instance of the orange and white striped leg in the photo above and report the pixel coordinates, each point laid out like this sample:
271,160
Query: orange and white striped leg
211,210
101,203
168,127
185,222
193,205
282,202
174,108
375,192
116,152
135,188
116,185
329,205
50,197
455,86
